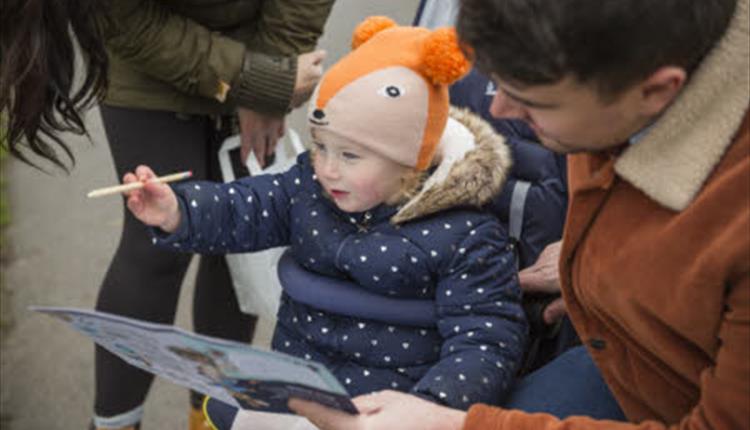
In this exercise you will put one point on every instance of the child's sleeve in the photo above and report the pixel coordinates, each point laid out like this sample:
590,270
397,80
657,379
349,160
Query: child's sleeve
481,321
247,215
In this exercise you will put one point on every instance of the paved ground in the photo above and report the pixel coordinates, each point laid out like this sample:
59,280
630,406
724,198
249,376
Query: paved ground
59,247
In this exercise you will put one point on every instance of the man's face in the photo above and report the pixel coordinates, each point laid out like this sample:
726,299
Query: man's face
570,117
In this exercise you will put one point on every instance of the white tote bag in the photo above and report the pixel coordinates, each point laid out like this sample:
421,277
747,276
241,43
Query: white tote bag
254,274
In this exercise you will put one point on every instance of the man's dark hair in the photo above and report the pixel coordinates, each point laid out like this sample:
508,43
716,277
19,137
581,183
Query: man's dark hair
39,97
609,43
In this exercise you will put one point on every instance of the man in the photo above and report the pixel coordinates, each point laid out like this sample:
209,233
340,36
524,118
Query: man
651,101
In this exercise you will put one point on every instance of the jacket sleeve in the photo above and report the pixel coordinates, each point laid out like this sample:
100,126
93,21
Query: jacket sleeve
288,27
285,28
481,321
172,48
247,215
725,387
197,61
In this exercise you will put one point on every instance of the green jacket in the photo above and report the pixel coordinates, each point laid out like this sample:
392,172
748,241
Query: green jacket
181,56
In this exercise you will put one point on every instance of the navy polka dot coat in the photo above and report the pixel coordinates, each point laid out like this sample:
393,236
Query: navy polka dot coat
436,246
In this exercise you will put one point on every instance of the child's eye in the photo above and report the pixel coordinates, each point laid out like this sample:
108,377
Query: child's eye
319,146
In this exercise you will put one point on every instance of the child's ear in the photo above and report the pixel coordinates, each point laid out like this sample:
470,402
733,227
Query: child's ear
443,61
370,27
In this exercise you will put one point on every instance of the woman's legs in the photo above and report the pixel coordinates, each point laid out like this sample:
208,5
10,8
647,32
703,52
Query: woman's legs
568,385
143,281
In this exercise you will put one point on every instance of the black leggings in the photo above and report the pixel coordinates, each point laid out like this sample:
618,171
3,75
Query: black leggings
143,281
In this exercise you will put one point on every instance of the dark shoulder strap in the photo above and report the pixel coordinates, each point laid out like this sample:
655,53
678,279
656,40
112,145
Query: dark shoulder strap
515,217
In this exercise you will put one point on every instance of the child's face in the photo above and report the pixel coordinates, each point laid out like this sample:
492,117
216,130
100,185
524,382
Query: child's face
356,178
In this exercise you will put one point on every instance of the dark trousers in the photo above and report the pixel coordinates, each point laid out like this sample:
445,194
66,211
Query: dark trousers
144,281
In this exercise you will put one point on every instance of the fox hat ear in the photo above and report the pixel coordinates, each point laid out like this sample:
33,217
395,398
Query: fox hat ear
370,27
443,62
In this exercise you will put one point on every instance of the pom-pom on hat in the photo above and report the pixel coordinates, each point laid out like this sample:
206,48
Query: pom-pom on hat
390,94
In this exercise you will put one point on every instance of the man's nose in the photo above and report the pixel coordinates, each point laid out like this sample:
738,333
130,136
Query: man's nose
504,107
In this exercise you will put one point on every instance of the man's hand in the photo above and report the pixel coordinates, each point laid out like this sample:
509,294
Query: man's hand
259,133
544,277
384,410
309,71
155,204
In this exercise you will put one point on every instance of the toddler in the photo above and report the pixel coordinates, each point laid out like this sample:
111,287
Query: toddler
390,198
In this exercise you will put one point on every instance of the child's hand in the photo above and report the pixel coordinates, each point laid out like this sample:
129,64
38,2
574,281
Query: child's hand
155,204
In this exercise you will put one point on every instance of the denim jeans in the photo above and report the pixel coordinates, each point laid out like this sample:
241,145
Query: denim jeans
568,385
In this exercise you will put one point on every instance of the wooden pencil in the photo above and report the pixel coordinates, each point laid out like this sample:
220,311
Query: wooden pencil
100,192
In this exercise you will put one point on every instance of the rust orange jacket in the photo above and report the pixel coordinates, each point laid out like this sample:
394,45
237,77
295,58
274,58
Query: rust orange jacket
655,262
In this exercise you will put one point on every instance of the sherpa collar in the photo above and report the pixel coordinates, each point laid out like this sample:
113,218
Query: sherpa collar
674,158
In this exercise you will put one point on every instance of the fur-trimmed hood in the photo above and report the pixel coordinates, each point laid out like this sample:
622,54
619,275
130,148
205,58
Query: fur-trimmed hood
474,162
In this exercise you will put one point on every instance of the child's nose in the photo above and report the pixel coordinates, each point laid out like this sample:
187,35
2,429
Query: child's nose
331,167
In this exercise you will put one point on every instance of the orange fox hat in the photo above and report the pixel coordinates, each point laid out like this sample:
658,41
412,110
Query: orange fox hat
390,93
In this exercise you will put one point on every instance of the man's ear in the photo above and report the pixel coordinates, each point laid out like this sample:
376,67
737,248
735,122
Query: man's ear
659,89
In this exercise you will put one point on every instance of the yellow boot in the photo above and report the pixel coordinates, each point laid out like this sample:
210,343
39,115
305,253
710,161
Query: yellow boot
196,420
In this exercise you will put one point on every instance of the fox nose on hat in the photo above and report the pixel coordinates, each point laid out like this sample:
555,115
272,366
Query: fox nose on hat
318,114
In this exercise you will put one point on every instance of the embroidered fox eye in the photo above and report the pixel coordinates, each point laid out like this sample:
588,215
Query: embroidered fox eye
392,91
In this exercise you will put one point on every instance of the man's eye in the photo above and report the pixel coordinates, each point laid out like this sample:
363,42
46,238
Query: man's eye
350,156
